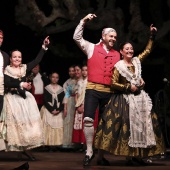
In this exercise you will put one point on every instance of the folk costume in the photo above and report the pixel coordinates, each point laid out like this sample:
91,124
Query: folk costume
78,134
53,124
78,128
4,61
68,121
129,127
100,62
22,129
37,90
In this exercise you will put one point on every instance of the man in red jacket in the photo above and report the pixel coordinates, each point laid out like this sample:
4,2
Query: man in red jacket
101,60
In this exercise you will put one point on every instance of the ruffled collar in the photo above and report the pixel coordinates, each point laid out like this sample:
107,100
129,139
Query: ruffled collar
13,72
57,91
53,92
135,77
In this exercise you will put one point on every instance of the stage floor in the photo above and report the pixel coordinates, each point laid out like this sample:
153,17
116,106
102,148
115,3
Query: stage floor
72,160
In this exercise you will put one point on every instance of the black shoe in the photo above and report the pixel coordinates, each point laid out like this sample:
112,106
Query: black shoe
87,159
25,166
103,162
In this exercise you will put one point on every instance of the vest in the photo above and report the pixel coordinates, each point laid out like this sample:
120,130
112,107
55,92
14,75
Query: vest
100,65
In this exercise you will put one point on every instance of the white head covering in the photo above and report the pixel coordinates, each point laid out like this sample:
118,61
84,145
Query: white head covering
108,30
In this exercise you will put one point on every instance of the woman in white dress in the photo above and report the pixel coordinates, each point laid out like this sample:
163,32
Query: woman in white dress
22,128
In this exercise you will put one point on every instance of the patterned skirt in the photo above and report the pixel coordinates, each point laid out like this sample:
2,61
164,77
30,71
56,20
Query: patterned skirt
113,131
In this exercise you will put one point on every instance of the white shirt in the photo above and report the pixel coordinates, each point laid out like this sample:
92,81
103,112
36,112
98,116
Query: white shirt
38,84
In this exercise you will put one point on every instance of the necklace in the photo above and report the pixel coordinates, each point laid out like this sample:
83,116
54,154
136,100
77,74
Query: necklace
128,65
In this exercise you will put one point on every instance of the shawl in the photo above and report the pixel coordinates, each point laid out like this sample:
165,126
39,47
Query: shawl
12,72
55,121
141,128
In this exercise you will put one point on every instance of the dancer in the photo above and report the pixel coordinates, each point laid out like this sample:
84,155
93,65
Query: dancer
101,60
22,129
129,127
52,112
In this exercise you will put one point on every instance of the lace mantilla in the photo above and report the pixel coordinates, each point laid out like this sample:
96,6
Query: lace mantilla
141,129
134,78
13,72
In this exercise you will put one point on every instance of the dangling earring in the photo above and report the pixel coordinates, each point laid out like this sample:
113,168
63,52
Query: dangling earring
10,64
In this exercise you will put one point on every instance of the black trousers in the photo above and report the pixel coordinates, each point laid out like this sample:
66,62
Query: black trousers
94,99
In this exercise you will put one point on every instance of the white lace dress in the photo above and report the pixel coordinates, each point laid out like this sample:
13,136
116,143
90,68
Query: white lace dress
22,125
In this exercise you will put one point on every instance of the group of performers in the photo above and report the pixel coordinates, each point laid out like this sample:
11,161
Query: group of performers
111,84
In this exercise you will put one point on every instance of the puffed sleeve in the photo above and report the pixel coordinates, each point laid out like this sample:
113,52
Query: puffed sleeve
115,82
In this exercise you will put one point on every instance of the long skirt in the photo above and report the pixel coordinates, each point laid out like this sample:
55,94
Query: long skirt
113,131
22,125
52,127
68,123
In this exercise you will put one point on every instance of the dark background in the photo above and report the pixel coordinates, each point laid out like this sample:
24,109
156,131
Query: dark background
17,36
24,39
29,43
